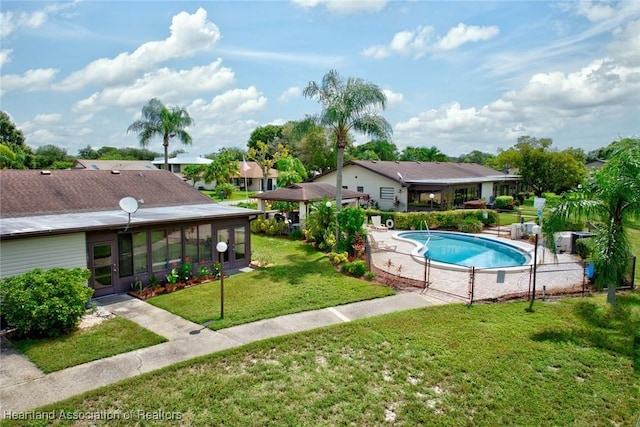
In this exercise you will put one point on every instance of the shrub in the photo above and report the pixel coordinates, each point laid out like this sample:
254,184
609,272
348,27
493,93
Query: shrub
45,303
504,202
470,225
337,258
584,247
356,268
226,189
270,227
296,234
369,275
247,205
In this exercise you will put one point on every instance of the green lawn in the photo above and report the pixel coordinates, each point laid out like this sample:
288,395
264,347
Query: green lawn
299,279
568,363
237,195
111,337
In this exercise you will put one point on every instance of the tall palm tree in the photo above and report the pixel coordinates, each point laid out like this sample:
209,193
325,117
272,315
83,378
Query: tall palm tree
610,196
158,120
348,106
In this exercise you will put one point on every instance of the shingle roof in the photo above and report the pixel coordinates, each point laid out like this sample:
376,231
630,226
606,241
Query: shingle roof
29,192
306,192
421,171
86,164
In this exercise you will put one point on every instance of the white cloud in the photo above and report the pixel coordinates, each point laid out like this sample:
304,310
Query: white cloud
418,42
231,103
29,81
595,11
5,57
625,46
462,34
393,98
290,93
189,34
173,85
344,7
10,21
47,119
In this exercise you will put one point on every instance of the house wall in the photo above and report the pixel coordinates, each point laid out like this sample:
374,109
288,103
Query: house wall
354,177
486,190
21,255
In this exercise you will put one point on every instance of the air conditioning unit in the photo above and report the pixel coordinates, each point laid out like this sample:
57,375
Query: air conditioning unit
564,241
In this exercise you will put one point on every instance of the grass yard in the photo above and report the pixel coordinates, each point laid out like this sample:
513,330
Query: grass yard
299,279
568,363
237,195
111,337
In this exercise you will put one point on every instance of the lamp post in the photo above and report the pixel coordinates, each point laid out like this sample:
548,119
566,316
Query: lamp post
536,232
431,196
221,247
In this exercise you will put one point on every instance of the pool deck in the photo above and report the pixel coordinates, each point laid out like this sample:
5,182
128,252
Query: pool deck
561,273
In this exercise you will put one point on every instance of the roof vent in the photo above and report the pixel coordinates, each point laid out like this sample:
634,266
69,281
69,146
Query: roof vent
115,172
45,172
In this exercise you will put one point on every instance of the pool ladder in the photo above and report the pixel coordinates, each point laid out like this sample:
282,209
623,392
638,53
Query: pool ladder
426,243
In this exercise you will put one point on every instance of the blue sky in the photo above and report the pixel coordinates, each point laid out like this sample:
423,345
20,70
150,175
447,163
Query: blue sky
459,75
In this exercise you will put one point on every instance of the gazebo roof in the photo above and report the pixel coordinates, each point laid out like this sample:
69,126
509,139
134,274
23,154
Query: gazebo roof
308,192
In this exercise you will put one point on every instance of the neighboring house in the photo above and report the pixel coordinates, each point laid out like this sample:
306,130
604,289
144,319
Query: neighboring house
254,178
595,164
177,164
406,186
72,218
121,165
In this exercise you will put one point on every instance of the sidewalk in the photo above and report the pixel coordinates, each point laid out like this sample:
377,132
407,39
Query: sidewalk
23,387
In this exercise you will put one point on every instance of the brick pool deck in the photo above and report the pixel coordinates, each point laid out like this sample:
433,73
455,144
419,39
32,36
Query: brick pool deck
396,262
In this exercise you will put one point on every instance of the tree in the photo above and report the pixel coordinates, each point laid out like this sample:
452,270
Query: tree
375,150
423,154
542,168
269,134
159,120
192,172
345,107
9,133
88,153
51,156
477,157
223,168
609,196
266,158
290,171
311,146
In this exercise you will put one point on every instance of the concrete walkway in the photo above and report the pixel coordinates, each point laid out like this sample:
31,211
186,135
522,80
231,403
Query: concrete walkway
23,387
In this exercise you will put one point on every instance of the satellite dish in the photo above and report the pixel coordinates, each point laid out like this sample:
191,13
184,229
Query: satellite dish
399,175
129,205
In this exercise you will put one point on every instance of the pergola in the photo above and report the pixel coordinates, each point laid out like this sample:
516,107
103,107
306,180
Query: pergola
306,193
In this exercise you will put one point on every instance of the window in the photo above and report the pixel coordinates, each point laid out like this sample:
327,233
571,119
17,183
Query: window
204,243
240,244
360,189
387,193
132,254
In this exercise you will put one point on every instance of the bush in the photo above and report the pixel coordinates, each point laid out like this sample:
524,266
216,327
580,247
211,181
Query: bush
226,189
270,227
45,303
584,247
296,234
504,202
470,225
337,258
356,268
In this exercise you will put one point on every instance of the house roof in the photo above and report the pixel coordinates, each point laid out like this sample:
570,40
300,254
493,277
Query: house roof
430,172
255,171
30,192
183,159
73,200
307,192
87,164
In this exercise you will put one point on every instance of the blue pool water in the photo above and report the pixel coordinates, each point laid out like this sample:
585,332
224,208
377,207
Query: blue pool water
468,250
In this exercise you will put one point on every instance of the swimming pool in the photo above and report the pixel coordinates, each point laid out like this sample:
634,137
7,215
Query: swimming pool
467,250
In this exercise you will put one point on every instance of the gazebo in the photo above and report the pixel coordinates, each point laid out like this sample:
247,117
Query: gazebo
306,193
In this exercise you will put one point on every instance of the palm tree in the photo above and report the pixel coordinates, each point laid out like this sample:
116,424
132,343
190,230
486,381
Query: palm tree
347,106
160,120
610,196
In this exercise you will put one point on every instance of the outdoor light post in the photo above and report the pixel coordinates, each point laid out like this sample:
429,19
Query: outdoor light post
221,247
431,196
536,232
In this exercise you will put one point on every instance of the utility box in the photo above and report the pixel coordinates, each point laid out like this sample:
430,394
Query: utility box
578,235
516,231
564,242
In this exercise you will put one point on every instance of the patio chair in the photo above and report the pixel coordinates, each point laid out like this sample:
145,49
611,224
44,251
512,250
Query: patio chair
379,246
376,223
